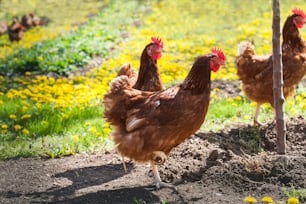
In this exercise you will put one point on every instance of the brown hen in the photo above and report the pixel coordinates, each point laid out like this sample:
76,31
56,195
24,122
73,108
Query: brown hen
15,30
148,125
256,71
148,78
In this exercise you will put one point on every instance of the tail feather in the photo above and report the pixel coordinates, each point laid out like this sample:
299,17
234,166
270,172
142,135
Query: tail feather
119,83
246,48
127,70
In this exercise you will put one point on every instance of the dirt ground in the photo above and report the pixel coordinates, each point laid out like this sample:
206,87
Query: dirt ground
210,168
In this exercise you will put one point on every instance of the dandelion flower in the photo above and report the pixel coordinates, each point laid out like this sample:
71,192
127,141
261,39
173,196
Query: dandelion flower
4,126
267,199
247,117
17,127
25,131
250,199
25,116
93,129
12,116
293,111
293,200
238,98
76,138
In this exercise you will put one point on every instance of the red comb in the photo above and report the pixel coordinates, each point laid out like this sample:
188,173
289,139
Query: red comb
299,12
219,52
158,41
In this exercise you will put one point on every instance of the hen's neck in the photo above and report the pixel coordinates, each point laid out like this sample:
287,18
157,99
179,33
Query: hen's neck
198,79
148,77
292,39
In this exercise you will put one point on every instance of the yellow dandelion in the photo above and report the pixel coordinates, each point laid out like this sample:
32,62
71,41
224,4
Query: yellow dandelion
253,103
12,116
25,131
293,111
214,96
250,199
25,116
293,200
24,108
238,98
93,129
216,89
17,127
298,98
267,199
247,117
76,138
290,103
230,100
1,102
107,130
27,73
4,126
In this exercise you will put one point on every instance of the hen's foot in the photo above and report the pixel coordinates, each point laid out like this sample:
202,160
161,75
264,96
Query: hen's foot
158,181
159,157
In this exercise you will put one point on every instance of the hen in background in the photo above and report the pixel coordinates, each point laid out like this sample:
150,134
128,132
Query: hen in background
15,30
148,125
32,19
148,78
256,71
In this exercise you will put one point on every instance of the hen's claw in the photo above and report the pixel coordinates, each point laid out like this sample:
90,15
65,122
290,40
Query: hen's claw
158,181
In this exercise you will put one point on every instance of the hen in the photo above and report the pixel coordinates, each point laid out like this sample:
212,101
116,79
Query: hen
256,71
147,125
15,30
148,78
32,19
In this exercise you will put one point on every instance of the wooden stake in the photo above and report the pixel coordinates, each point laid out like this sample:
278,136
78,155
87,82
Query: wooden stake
278,81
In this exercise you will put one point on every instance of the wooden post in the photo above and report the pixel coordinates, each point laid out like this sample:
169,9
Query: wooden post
278,81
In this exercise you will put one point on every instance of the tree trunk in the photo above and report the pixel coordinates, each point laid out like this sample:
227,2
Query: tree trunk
278,81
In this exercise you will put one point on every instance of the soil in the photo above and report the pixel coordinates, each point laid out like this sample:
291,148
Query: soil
209,167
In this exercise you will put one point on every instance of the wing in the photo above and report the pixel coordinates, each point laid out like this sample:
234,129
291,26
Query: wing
146,110
168,109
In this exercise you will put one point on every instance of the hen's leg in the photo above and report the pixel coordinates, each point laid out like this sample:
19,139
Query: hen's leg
158,181
124,165
256,122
